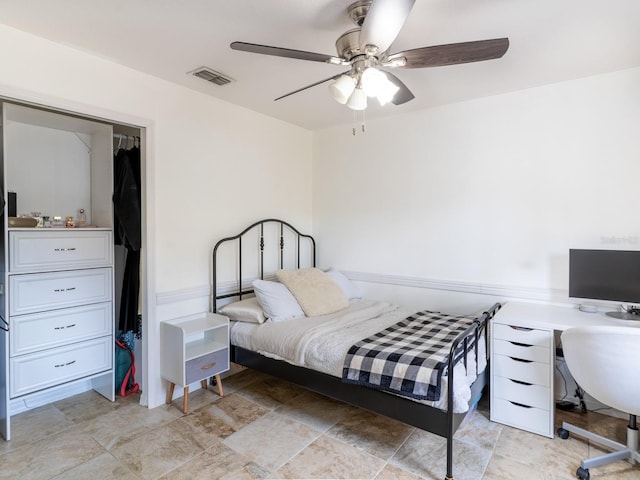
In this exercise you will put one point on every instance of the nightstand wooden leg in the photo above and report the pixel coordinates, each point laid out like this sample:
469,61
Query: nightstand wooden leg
203,383
185,400
170,393
219,383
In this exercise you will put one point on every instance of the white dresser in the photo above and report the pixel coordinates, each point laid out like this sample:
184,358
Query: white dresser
60,293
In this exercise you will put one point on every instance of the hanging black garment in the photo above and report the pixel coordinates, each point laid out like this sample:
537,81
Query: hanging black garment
127,232
126,198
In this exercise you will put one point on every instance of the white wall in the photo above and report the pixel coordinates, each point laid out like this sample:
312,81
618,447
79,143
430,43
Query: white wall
212,167
483,196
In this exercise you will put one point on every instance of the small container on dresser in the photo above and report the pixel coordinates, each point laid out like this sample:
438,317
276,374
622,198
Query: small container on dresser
194,348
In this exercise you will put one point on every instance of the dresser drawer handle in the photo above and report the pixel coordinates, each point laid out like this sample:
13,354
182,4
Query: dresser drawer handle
65,289
518,344
520,382
64,249
520,404
207,367
65,364
522,329
66,326
521,360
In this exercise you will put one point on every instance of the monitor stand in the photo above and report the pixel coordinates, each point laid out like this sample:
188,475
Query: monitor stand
633,315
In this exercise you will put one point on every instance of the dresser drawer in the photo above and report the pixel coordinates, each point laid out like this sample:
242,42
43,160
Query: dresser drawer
522,350
528,336
39,331
526,394
528,418
30,373
46,250
522,370
206,366
37,292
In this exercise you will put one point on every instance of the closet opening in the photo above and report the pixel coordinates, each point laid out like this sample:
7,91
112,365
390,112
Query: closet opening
72,214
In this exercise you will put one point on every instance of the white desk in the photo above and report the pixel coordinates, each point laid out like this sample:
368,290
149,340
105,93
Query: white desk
523,361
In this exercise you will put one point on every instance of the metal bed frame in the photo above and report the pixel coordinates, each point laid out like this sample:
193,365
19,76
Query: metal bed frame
431,419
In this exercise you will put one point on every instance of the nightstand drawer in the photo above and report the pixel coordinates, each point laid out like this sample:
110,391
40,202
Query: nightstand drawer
522,370
40,331
36,371
527,336
206,366
522,416
39,251
37,292
527,394
521,350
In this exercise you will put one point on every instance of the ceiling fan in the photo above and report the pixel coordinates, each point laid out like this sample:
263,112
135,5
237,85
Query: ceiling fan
365,50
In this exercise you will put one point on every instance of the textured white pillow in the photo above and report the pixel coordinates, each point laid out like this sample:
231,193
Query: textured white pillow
316,293
350,289
276,301
248,310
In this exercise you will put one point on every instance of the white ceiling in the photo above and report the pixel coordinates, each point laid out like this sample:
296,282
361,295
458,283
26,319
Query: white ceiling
550,41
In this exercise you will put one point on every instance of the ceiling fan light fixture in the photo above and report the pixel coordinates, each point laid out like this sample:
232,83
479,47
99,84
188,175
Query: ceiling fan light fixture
357,100
372,81
387,91
342,89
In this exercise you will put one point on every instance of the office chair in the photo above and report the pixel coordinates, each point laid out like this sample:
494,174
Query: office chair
605,362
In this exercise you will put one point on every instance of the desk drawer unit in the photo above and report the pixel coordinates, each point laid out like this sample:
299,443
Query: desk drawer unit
522,378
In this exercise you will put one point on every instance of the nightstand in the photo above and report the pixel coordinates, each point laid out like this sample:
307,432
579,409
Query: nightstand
194,348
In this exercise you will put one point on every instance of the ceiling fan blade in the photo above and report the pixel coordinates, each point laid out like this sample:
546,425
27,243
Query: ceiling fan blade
285,52
453,54
404,94
383,22
312,85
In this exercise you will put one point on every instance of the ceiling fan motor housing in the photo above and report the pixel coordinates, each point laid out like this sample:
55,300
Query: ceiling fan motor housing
358,11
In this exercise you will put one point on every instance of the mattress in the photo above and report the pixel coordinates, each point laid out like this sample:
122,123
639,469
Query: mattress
321,343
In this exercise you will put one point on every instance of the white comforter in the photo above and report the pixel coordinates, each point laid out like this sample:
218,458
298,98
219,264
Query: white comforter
321,343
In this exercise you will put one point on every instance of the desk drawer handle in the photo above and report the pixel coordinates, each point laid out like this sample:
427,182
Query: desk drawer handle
522,329
207,367
520,404
520,382
518,344
71,249
521,360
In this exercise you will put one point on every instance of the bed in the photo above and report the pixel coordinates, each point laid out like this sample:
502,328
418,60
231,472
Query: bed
314,351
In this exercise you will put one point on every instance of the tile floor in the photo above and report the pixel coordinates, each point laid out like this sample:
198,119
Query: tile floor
264,428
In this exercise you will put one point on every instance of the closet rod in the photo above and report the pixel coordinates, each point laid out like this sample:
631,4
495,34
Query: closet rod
122,136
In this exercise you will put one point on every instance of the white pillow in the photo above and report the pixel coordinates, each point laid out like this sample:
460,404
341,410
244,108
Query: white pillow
350,289
276,301
248,310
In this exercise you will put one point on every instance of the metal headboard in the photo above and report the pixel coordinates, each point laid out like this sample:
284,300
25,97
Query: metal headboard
239,290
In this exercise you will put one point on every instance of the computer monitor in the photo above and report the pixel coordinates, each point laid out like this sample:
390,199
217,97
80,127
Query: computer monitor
610,275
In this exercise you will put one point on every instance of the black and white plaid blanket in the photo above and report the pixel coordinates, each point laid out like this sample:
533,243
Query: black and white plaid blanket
408,358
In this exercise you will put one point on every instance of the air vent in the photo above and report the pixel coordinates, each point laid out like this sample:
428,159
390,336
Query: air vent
212,76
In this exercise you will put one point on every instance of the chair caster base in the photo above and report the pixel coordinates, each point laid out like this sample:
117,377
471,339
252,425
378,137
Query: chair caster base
583,473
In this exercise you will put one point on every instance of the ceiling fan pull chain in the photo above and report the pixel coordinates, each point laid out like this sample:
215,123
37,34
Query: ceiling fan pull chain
363,121
353,128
